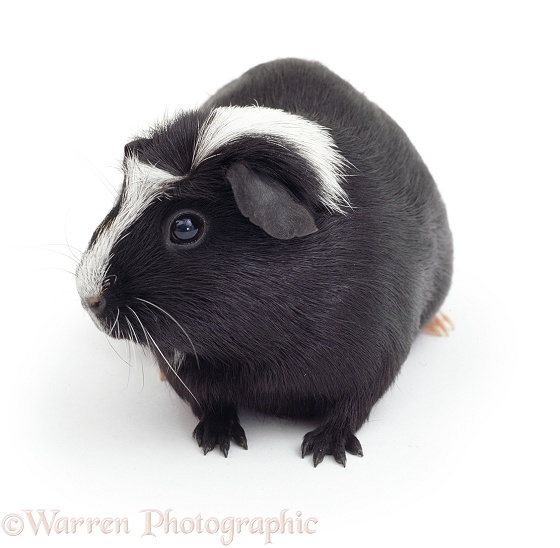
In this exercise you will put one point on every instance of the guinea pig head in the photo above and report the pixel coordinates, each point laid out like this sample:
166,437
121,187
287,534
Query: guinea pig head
210,244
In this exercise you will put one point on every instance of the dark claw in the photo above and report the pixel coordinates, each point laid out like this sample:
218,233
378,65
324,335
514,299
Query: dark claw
318,456
306,446
339,455
224,446
198,433
323,441
353,446
218,430
238,436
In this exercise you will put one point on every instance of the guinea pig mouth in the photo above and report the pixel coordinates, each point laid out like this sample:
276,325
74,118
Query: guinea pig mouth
105,318
103,322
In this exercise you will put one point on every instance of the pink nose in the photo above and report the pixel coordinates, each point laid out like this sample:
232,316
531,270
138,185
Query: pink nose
96,304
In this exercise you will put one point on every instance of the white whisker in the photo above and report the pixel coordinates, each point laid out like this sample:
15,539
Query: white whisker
148,336
57,268
114,323
60,245
135,339
71,257
66,238
178,324
132,331
129,353
115,351
102,178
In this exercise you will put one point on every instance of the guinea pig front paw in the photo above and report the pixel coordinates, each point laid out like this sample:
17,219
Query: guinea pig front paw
215,429
326,441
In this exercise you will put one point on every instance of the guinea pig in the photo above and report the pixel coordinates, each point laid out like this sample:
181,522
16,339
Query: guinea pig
277,249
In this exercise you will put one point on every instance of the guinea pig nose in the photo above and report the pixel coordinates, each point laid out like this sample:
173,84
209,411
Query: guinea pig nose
96,303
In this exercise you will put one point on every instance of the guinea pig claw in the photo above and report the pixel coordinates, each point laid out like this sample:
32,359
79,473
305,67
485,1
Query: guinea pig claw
339,455
321,442
318,458
218,430
238,436
353,446
224,446
440,325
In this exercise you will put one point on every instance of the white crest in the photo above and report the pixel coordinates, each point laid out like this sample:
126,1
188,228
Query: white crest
312,141
143,184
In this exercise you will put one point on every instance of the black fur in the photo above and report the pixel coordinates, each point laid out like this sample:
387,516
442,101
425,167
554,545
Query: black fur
312,326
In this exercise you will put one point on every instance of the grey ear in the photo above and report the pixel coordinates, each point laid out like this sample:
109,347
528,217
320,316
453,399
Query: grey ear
268,204
135,146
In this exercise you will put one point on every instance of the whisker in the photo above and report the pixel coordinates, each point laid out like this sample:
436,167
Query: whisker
178,324
66,237
115,351
134,336
129,350
77,249
107,335
115,322
57,268
132,331
71,257
162,355
147,343
129,356
104,181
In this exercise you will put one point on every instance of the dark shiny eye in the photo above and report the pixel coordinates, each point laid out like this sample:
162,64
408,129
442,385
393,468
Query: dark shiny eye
187,228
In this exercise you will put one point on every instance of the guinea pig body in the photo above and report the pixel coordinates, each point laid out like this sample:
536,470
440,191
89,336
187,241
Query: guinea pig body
278,249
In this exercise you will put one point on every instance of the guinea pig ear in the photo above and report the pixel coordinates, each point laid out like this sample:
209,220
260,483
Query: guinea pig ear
268,204
136,146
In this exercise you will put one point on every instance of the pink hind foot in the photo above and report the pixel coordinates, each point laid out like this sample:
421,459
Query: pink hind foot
440,325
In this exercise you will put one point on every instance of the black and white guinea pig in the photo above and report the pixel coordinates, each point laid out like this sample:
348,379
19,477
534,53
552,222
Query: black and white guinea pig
277,249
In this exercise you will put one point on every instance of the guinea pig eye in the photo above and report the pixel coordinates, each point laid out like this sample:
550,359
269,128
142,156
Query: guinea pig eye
186,228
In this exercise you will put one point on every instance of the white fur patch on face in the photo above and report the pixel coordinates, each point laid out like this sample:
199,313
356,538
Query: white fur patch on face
310,140
143,184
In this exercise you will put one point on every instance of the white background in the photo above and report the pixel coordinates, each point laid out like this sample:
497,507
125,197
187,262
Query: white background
462,451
